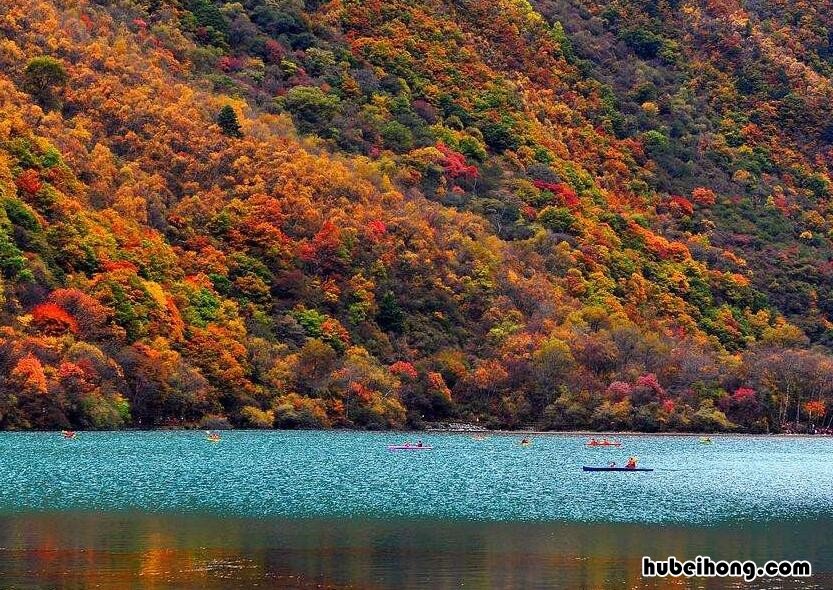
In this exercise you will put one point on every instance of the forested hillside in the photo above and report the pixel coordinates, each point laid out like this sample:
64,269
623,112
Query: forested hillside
287,213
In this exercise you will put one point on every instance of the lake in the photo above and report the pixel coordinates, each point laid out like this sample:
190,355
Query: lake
337,510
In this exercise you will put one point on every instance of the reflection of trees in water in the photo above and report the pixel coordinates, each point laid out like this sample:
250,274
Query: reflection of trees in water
146,551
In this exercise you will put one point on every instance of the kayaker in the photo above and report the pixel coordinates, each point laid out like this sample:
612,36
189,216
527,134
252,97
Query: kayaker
631,464
419,443
593,442
525,441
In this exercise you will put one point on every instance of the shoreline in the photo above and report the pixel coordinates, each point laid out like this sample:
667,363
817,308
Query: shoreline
597,434
472,431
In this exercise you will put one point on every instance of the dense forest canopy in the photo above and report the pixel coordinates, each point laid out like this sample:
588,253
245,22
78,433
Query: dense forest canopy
285,213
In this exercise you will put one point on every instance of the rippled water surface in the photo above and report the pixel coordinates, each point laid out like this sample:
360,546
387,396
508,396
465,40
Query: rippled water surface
345,474
338,510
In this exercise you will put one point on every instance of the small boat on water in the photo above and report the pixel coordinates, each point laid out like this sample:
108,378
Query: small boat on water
410,447
586,468
69,434
603,443
212,436
706,440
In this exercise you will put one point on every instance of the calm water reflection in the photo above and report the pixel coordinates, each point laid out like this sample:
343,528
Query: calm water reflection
126,550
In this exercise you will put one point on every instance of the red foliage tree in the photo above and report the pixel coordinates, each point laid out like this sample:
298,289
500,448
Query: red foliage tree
93,319
647,389
377,228
404,369
455,164
680,206
29,181
53,320
325,248
618,391
704,197
742,406
815,408
564,193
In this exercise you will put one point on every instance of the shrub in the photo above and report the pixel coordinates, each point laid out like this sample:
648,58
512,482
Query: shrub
256,418
296,411
397,137
311,108
556,219
709,419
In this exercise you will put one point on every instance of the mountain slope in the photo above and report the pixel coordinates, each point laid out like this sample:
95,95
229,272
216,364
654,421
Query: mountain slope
743,91
369,215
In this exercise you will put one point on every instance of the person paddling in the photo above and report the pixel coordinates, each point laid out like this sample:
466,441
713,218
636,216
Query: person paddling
631,464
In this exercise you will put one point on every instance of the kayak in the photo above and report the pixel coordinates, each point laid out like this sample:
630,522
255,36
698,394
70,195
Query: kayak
615,469
604,445
409,448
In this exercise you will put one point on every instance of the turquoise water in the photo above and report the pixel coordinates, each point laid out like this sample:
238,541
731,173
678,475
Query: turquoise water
353,475
337,510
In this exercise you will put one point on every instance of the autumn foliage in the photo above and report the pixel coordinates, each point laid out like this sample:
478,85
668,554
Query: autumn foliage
383,214
53,320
